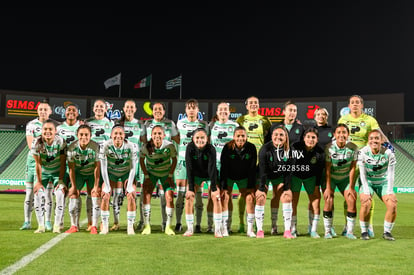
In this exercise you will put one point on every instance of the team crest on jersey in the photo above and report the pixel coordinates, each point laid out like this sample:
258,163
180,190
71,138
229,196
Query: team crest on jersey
348,154
230,129
297,131
106,126
330,135
136,128
313,160
362,124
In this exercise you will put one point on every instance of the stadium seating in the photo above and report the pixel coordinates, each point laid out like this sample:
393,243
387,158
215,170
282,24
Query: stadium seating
9,141
404,172
407,145
16,169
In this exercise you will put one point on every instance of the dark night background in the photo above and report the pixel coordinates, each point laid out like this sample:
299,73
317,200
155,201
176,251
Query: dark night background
283,51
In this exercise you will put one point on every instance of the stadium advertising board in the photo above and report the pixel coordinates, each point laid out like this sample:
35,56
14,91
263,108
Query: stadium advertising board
59,105
22,106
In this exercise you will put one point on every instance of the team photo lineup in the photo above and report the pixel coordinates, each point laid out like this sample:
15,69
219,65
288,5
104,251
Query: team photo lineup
114,159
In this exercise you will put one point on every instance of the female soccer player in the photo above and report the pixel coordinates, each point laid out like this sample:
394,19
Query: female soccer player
221,132
34,130
171,134
340,156
325,131
101,131
158,159
200,158
377,169
136,135
238,166
84,167
49,152
307,168
118,169
359,125
257,128
186,128
295,133
275,167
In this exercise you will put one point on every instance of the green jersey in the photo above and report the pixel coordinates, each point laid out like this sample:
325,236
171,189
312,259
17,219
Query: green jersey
220,134
340,159
159,162
49,154
101,129
186,129
84,159
359,128
169,127
134,130
68,132
119,160
376,165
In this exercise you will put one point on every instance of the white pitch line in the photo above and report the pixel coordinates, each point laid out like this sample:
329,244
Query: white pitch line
35,254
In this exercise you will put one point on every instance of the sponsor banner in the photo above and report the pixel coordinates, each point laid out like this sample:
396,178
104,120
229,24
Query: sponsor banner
22,106
12,182
59,104
178,111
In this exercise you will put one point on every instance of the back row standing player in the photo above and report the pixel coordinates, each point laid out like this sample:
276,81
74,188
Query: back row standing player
186,128
257,127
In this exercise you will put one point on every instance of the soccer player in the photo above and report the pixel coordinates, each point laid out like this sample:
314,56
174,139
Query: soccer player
84,168
325,131
200,158
257,127
67,130
307,169
118,169
359,125
49,152
186,128
101,131
377,169
340,156
136,135
221,132
171,134
33,130
158,159
238,166
275,167
295,130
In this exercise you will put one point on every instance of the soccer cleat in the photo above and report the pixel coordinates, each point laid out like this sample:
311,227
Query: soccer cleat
168,231
197,229
89,227
388,236
294,233
365,236
224,231
188,233
163,227
288,235
147,230
218,234
351,236
178,227
274,231
328,236
371,233
333,233
104,230
260,234
40,229
309,229
209,230
251,234
139,226
72,229
314,235
241,228
94,230
56,229
48,226
115,227
344,231
26,226
130,230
